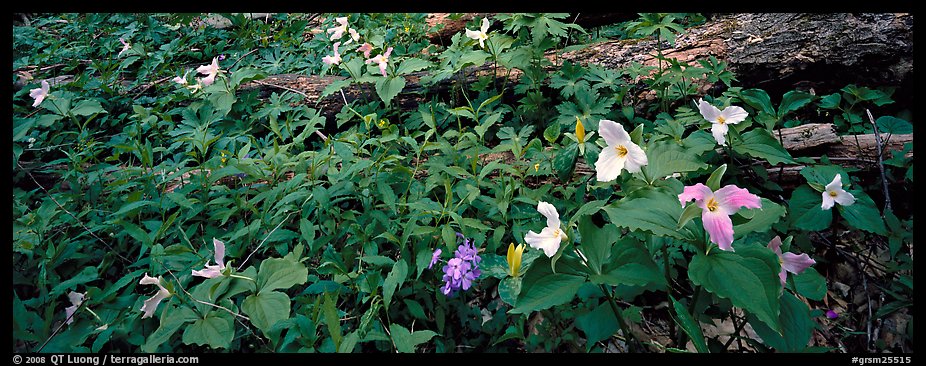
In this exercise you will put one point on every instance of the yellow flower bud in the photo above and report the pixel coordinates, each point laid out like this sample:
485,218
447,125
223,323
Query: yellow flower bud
580,130
514,259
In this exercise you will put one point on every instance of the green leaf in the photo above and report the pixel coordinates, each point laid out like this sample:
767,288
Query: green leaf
689,326
411,65
748,277
690,212
387,88
508,290
598,324
244,75
330,316
548,291
761,219
279,273
653,210
863,214
170,324
822,175
830,101
792,101
666,158
86,275
266,308
597,242
713,182
888,124
87,108
796,326
759,143
334,87
758,99
806,211
565,161
630,264
213,330
405,342
394,281
551,133
810,284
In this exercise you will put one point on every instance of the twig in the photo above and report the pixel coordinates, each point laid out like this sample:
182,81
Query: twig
282,87
262,242
198,300
242,57
65,322
149,85
111,249
887,195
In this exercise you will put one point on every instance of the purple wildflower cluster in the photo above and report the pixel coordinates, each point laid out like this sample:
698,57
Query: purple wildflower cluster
461,270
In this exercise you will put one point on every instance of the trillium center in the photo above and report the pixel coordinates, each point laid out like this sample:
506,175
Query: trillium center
621,151
833,194
712,204
721,120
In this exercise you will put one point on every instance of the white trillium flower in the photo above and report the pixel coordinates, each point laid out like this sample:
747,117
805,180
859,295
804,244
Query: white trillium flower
210,71
152,303
125,47
213,271
333,60
551,236
76,299
481,34
621,153
834,194
39,94
721,120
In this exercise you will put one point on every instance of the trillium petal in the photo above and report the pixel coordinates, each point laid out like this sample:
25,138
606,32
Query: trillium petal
697,192
844,198
733,115
472,34
152,303
796,263
836,184
775,245
485,25
708,111
731,198
613,133
828,201
609,164
547,240
549,211
219,251
720,228
719,131
636,158
208,80
69,312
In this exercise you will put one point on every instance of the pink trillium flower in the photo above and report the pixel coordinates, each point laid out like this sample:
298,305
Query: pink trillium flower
338,32
125,46
366,48
181,79
481,35
621,152
790,262
382,60
834,194
721,119
717,207
152,303
210,71
39,94
551,236
76,299
213,271
354,36
333,60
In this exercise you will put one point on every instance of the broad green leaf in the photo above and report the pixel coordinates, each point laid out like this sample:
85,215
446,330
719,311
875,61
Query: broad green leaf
550,290
404,341
331,319
508,290
597,242
666,158
760,144
86,275
551,133
823,174
278,273
411,65
170,324
266,308
394,280
213,330
796,326
333,87
565,161
760,219
630,264
792,101
598,324
758,99
87,108
690,326
810,284
748,277
653,210
863,214
388,87
806,211
244,75
830,101
894,125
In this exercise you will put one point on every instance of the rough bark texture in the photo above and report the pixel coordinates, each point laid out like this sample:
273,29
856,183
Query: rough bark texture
781,51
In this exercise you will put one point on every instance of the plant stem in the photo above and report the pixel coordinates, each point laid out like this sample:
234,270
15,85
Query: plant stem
682,336
631,340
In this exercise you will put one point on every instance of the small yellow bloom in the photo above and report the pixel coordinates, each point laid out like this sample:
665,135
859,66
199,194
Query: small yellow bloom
514,259
382,123
537,167
580,130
